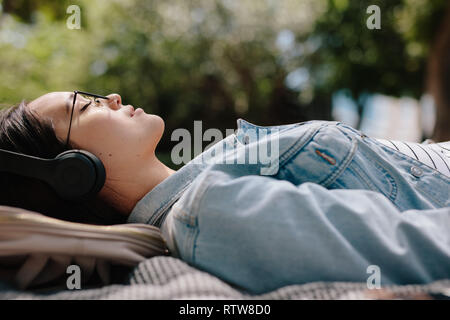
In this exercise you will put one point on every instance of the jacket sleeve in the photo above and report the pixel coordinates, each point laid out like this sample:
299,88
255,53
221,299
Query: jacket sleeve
260,233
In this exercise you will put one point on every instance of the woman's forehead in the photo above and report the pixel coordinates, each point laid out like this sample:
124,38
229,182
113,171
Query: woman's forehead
54,102
52,97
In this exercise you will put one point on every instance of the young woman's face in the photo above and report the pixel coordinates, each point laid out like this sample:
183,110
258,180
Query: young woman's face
108,128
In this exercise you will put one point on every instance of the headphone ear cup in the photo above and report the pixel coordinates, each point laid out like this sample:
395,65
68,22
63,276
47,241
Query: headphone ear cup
79,175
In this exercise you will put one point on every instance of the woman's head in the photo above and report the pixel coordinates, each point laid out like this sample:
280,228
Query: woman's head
124,139
114,132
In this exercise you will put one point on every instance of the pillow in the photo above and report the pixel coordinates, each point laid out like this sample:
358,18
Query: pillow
36,250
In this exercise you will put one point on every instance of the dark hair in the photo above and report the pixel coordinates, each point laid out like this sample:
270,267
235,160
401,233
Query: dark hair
21,130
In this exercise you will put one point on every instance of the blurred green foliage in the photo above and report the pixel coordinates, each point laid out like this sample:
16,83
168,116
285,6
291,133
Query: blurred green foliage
392,60
217,60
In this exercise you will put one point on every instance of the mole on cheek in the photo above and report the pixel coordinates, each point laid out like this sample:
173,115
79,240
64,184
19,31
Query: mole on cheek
110,155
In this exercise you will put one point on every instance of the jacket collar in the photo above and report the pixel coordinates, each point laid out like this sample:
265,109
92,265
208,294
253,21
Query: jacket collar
153,207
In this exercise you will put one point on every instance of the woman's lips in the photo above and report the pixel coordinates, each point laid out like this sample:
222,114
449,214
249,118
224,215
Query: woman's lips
138,111
133,112
131,109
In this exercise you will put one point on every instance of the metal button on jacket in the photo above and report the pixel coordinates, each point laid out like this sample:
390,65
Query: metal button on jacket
416,172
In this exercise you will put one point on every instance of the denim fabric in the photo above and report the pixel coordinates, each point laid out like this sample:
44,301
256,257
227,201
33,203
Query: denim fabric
332,203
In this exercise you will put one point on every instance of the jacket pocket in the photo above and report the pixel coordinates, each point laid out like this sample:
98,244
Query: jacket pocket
367,171
321,159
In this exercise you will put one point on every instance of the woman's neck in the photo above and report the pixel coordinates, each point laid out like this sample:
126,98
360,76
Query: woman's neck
124,193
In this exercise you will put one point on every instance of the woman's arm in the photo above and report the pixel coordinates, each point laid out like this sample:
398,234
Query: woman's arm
261,233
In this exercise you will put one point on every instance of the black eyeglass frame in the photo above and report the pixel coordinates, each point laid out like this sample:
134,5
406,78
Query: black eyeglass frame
75,93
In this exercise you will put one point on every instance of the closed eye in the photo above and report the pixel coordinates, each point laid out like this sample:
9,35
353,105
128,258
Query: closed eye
85,106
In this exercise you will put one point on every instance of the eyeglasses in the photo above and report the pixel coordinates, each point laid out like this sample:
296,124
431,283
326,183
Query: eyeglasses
86,95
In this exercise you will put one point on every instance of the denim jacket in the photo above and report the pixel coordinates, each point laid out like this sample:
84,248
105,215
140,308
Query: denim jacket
327,203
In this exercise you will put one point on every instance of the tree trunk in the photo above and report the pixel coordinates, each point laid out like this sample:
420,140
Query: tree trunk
438,79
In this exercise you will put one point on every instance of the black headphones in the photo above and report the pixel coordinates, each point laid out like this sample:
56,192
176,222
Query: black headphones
75,175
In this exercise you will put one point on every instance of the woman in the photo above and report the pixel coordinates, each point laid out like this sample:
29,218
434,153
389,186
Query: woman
265,207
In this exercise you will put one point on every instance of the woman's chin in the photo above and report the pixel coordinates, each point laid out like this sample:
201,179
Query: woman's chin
156,125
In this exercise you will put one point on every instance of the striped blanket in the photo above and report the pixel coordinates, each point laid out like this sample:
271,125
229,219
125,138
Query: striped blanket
165,277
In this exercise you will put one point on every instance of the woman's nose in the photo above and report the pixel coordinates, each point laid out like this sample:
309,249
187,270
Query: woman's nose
114,100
